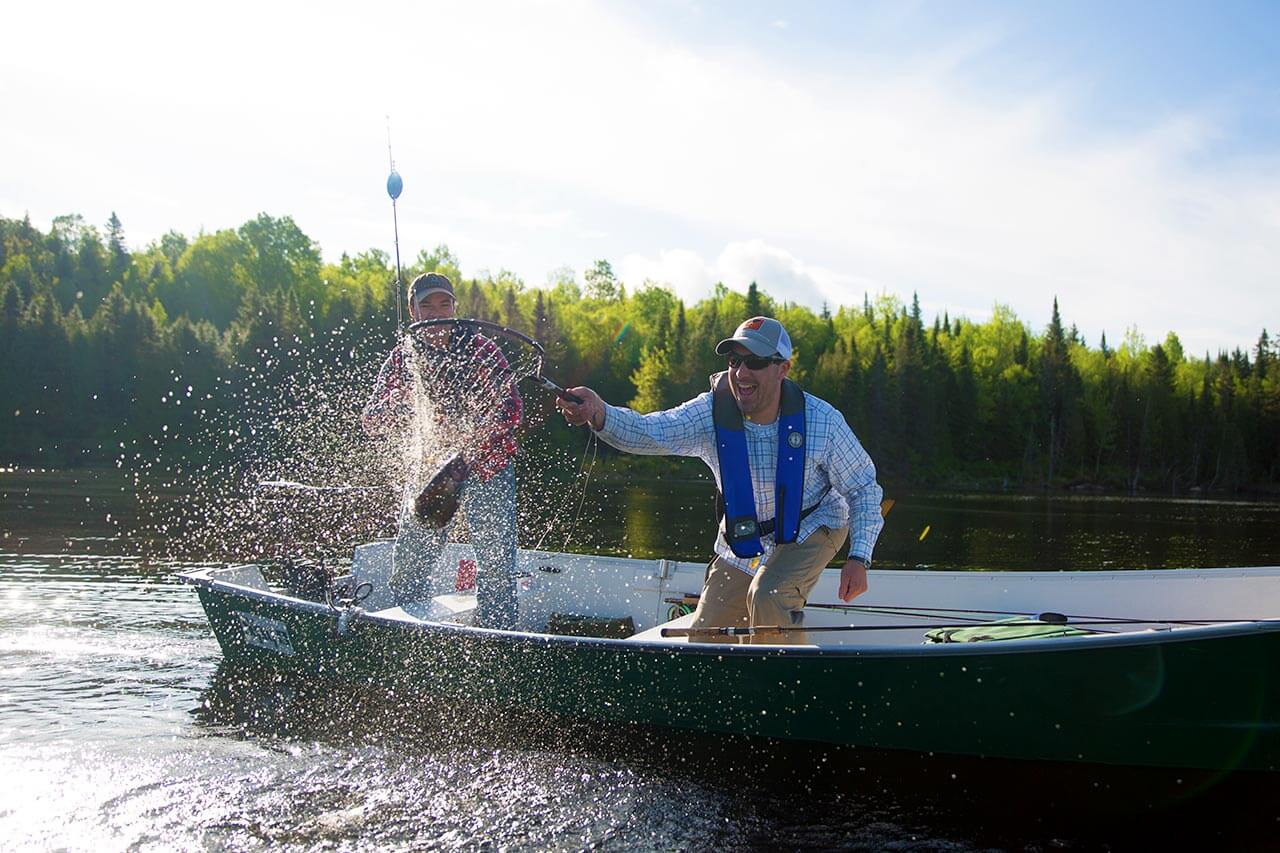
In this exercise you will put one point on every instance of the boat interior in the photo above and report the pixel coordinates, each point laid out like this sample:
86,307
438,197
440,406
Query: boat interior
652,601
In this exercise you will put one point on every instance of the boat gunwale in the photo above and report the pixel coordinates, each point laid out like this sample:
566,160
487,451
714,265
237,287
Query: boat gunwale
1182,633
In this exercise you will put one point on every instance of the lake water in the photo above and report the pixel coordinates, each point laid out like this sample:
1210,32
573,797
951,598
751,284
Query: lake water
118,729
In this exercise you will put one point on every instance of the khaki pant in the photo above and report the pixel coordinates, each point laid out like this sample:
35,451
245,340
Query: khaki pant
775,595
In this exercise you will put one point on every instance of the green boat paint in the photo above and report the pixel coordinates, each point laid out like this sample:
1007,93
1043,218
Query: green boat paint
1205,697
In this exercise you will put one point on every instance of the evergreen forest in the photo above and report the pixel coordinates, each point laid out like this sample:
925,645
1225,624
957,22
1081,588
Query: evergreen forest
103,348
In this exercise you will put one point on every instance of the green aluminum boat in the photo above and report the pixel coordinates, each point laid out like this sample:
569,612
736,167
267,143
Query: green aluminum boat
1177,669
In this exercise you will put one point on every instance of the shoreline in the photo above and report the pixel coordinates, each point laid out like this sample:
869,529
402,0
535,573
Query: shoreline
619,471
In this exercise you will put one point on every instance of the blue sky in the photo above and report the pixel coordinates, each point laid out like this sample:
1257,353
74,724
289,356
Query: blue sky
1124,157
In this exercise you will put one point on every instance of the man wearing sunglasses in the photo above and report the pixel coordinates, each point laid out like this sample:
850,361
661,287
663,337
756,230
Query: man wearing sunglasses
792,480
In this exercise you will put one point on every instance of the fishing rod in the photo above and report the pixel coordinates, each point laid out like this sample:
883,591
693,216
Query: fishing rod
788,629
395,185
1048,617
691,600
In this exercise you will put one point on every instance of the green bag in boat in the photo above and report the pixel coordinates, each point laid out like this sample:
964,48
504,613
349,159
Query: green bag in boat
1002,629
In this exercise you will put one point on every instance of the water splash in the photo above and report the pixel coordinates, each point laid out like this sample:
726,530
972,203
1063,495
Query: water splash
284,470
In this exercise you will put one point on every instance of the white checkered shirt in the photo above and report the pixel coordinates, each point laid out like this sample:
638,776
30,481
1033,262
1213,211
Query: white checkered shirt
833,458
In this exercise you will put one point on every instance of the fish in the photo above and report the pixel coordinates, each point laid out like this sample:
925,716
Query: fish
438,501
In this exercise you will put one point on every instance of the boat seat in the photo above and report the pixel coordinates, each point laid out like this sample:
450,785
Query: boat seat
458,608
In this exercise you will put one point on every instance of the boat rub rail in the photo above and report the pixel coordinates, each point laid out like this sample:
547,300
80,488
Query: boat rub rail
273,601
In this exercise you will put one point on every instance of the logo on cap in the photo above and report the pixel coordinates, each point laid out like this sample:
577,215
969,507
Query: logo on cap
754,324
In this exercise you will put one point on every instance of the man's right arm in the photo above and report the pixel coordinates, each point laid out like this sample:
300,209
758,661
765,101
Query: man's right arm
686,430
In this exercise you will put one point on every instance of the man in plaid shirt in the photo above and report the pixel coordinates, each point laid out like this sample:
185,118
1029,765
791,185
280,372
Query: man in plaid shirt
454,373
840,495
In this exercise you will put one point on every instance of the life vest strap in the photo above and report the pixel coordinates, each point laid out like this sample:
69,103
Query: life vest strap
766,527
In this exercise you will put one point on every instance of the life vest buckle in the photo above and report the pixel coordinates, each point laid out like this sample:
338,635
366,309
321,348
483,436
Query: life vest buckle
744,528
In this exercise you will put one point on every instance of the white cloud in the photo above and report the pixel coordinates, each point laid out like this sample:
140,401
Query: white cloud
685,271
775,270
537,134
779,272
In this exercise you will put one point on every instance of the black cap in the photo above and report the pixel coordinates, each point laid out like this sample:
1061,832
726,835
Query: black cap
430,282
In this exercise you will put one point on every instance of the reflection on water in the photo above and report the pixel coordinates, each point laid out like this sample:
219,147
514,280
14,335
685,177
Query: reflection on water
984,532
85,513
118,728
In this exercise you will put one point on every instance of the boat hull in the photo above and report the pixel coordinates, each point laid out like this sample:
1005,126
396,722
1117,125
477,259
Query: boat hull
1208,699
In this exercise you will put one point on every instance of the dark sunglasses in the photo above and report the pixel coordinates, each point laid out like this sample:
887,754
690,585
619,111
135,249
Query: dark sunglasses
753,362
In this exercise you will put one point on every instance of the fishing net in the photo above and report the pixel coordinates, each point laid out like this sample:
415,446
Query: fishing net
453,389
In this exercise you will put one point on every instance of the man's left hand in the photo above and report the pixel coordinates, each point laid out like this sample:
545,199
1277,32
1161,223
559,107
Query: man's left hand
853,580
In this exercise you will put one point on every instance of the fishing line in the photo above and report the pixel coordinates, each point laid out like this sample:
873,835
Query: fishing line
584,472
593,441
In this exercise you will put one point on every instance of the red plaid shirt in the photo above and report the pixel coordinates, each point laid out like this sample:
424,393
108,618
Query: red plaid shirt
491,445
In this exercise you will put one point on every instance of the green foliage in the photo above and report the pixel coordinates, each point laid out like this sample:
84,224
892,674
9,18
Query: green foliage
440,259
602,285
210,280
655,386
101,347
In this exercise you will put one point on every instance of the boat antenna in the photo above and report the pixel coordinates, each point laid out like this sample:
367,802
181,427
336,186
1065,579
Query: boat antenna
394,187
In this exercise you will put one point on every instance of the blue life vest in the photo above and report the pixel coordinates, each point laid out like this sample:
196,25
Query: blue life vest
742,530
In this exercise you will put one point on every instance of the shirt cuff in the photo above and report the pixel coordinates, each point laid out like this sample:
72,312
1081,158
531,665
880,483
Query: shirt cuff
611,418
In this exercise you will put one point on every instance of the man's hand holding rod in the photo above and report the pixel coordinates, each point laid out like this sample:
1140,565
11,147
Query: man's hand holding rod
591,411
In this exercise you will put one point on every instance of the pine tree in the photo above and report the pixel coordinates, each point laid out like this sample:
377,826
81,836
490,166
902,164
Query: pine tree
879,435
541,322
10,317
511,316
755,307
963,406
850,393
1057,391
475,306
680,345
119,253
